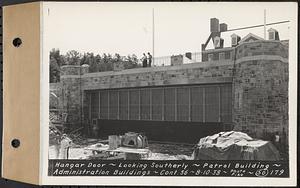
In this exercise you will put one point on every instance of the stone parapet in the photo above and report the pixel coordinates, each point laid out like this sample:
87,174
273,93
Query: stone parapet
197,73
74,69
261,47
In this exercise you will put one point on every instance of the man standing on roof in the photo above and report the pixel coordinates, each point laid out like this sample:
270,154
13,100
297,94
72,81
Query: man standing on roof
144,60
149,59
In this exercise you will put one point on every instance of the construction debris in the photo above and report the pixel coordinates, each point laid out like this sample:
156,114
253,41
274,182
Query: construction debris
134,146
234,146
131,146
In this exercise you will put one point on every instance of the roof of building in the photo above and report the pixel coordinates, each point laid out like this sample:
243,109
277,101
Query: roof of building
234,35
271,29
249,37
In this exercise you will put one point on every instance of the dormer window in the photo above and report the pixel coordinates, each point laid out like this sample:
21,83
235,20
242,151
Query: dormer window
273,34
218,42
235,40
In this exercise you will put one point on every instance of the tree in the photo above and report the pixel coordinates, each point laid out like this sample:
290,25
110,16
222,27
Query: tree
117,58
97,63
91,60
73,57
56,61
131,62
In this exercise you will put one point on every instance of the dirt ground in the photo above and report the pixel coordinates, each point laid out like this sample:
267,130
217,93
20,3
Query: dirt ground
159,151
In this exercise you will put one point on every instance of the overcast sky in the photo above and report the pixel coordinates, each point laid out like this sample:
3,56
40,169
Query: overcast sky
126,28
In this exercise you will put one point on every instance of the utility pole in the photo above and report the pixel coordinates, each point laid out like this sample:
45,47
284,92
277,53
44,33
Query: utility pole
265,23
153,29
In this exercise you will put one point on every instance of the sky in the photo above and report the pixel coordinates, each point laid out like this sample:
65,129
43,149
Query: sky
127,28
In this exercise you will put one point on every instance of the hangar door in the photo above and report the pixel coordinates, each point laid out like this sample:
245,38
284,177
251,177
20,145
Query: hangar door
191,103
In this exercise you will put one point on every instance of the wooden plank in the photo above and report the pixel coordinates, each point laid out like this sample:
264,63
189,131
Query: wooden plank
119,149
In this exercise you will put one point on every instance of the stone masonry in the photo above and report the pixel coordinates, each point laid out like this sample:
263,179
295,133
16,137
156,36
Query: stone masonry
258,72
261,88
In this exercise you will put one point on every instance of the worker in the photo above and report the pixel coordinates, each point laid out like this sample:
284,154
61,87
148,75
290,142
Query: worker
65,144
144,60
95,129
277,140
57,145
149,59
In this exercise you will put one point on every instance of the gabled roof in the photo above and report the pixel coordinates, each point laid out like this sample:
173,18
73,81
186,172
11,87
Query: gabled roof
271,29
234,35
251,36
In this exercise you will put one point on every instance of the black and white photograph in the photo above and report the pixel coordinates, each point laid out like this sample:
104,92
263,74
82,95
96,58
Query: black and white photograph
164,84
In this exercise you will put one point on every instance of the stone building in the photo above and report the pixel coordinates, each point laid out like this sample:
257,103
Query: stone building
243,87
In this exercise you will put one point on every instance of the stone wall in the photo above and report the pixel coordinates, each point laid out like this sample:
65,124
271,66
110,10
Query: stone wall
261,88
194,73
71,99
255,48
74,83
257,70
176,60
55,95
228,54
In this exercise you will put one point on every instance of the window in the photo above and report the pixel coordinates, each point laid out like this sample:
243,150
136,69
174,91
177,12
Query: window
271,35
221,56
210,57
94,121
234,41
217,42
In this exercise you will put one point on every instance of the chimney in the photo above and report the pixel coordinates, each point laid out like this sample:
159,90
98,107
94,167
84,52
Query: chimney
214,25
223,27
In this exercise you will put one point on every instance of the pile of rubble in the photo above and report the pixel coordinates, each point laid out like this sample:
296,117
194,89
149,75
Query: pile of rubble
234,146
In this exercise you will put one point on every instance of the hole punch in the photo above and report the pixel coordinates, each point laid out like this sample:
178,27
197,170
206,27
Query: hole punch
17,42
15,143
